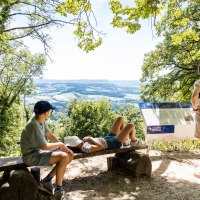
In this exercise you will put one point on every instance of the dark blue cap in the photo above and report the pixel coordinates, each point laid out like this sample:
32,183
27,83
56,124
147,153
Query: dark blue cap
42,107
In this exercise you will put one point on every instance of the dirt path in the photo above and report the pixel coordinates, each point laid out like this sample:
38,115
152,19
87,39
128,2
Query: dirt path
172,178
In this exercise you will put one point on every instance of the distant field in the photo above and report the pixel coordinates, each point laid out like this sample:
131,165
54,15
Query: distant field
61,92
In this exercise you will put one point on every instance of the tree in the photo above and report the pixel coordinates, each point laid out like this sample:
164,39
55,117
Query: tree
37,16
170,71
40,15
11,127
89,118
129,15
17,70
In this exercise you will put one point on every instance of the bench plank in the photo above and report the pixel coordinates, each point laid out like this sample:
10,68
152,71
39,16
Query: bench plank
7,164
107,151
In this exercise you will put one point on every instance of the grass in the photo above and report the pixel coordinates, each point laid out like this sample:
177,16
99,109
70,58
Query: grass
175,145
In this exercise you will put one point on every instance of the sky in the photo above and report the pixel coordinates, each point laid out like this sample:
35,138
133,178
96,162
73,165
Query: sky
120,57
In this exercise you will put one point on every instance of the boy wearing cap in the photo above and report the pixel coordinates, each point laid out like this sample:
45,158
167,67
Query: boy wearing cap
36,151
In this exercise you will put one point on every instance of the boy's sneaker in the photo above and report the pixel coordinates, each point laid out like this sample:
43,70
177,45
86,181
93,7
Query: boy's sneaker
127,142
138,143
47,185
60,195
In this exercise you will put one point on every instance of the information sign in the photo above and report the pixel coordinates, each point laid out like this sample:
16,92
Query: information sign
168,121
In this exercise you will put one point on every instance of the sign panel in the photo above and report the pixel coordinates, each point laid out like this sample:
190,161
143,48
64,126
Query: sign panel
168,121
160,129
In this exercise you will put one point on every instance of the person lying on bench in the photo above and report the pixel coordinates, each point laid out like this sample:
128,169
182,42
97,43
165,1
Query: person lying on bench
36,151
117,136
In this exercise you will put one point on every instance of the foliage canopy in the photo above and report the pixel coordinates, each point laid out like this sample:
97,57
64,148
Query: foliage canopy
170,71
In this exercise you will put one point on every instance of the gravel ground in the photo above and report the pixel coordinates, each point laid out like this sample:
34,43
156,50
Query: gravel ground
172,178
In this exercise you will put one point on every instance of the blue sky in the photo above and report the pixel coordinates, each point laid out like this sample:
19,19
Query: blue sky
120,57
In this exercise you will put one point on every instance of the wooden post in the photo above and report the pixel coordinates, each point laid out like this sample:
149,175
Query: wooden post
4,178
111,163
35,171
137,164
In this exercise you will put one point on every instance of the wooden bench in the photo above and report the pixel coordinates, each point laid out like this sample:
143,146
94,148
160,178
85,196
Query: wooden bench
128,158
17,175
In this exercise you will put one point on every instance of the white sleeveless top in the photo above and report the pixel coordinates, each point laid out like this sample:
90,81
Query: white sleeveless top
86,145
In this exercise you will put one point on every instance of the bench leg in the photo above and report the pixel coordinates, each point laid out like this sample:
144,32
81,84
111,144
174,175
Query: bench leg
112,163
4,178
21,185
35,171
137,164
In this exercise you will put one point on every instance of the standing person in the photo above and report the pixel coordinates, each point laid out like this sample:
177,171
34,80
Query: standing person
196,109
36,151
118,135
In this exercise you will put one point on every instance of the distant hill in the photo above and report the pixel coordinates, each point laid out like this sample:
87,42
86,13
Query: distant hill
61,92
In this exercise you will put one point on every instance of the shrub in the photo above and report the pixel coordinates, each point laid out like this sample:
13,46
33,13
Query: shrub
89,118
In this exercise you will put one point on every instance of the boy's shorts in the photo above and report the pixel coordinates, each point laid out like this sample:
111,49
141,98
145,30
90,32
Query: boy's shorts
112,141
39,157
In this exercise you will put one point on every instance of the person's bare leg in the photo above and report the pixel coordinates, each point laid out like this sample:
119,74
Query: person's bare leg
135,141
61,160
123,135
122,125
53,171
133,134
117,126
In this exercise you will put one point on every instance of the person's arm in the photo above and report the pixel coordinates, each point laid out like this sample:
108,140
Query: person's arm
51,137
94,146
195,98
50,146
55,144
92,140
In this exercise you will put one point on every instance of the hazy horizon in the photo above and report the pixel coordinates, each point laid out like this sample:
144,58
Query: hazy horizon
87,79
